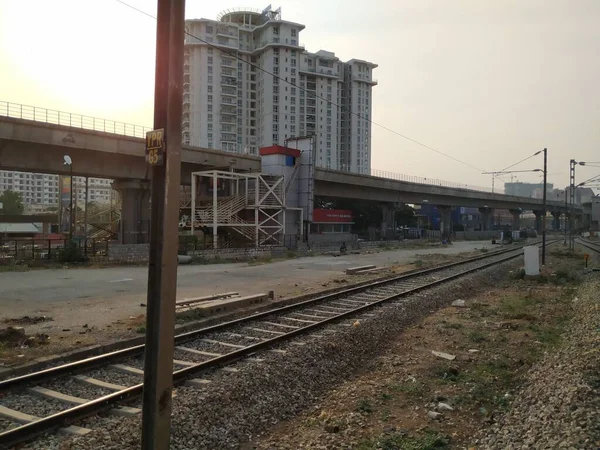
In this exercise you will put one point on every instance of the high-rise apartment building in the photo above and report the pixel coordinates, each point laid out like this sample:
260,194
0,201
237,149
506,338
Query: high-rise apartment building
249,83
42,190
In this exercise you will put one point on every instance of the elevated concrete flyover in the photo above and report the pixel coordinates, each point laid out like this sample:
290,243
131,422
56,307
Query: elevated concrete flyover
334,184
31,146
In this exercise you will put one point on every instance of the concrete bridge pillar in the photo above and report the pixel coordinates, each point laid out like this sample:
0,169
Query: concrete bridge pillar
539,217
487,215
556,220
516,218
135,211
446,220
387,221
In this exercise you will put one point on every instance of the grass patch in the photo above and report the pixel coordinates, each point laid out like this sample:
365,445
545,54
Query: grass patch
419,263
547,334
449,374
386,397
364,406
140,330
401,441
453,325
517,307
565,254
476,336
484,250
410,388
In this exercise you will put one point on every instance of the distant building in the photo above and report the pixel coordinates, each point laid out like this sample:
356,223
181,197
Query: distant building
40,191
233,102
532,190
582,195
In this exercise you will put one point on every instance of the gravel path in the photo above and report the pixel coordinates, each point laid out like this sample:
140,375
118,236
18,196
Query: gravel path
237,407
559,405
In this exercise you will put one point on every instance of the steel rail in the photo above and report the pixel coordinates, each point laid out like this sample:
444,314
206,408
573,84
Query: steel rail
28,431
99,360
588,244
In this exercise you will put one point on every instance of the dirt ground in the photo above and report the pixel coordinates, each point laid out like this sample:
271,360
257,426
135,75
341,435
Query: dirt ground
413,399
39,339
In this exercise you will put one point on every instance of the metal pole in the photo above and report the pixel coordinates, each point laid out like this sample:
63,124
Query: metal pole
85,216
544,208
162,267
572,165
71,206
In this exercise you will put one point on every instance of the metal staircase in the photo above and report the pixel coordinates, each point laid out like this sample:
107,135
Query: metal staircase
227,214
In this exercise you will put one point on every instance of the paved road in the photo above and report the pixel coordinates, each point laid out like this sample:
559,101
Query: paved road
76,296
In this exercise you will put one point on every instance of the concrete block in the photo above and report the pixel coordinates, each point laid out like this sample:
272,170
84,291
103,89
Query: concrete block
353,270
219,306
367,271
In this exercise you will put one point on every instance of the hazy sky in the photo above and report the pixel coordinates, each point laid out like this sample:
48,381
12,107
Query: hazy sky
486,81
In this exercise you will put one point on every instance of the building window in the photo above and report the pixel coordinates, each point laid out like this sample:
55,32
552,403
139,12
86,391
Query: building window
210,88
210,60
294,32
209,29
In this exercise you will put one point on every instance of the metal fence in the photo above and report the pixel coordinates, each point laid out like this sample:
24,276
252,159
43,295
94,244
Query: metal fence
48,249
428,181
18,111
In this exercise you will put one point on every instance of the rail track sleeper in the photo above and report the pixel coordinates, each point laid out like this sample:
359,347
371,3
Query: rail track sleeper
22,418
260,330
197,382
198,352
224,344
98,383
252,338
58,396
282,325
310,316
300,320
127,369
180,362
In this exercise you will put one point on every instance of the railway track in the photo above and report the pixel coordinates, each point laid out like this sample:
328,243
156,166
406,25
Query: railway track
595,246
57,397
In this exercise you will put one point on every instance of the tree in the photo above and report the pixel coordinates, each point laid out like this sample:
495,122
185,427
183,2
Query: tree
12,203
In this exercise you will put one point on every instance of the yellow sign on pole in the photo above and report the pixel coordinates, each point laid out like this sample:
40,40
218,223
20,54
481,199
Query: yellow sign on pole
155,147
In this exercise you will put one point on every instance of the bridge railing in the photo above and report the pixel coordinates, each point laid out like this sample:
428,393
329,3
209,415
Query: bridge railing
18,111
428,181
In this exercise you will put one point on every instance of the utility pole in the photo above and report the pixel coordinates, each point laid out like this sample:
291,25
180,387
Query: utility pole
163,152
544,208
572,165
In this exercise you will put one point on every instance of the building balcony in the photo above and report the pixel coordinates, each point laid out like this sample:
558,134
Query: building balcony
364,79
226,32
321,71
226,62
229,119
229,81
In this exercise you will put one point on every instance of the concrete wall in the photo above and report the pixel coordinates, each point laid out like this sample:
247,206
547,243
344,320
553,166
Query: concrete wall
475,235
333,241
128,253
242,254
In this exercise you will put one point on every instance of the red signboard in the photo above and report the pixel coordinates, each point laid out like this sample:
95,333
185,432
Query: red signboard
332,216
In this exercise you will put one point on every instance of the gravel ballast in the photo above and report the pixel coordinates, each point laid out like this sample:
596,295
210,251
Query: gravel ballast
236,407
559,405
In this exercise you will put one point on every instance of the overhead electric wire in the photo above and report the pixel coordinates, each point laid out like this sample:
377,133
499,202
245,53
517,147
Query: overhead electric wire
519,162
313,95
